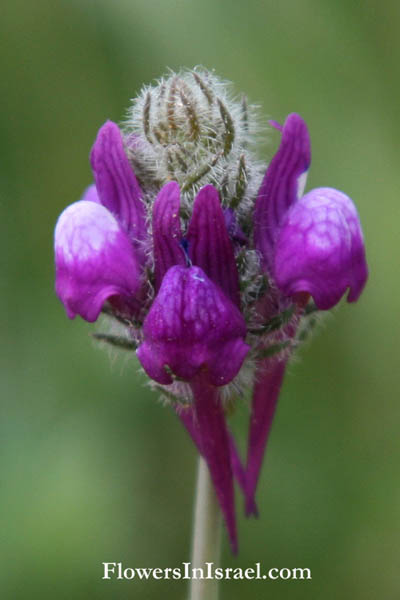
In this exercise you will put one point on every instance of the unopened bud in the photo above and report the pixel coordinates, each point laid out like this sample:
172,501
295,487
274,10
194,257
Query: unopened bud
193,132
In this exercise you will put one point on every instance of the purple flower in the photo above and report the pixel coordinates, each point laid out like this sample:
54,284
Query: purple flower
98,239
212,278
310,243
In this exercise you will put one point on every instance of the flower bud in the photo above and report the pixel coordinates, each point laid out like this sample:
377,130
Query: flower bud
188,129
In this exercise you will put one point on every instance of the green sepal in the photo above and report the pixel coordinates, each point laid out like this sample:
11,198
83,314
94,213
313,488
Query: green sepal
307,328
310,308
229,134
274,349
241,183
117,341
276,322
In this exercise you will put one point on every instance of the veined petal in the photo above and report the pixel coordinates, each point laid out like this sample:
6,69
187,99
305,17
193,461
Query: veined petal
209,245
116,183
167,231
192,326
95,260
320,249
214,440
282,185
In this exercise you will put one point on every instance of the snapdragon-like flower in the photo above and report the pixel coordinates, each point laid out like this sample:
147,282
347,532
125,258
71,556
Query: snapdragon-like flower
214,269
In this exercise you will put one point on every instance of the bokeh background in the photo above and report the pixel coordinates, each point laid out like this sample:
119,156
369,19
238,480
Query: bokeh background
93,468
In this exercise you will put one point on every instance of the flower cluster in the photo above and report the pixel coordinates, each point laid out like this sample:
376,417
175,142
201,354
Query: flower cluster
214,268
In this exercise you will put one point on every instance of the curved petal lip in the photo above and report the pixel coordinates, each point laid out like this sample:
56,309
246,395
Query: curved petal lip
320,249
227,362
95,260
153,363
192,326
89,309
221,364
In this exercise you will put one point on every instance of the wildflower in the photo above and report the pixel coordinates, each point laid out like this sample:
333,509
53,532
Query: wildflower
213,268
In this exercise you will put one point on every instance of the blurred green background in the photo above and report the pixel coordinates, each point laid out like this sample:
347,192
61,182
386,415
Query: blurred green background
93,468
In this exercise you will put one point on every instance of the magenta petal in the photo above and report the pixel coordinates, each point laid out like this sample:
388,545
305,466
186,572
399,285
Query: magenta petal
153,359
94,260
320,249
224,363
91,194
167,231
268,381
209,245
192,325
283,184
214,439
116,183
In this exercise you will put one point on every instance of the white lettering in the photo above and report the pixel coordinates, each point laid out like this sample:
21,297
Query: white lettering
187,572
270,573
197,570
176,573
228,570
129,573
238,573
144,573
286,571
249,573
107,570
302,571
209,570
112,570
258,571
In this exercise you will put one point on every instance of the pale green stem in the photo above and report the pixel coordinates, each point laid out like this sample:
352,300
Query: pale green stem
206,547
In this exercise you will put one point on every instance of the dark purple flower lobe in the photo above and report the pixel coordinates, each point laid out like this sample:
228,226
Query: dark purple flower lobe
191,326
95,260
116,183
282,185
167,231
320,249
209,245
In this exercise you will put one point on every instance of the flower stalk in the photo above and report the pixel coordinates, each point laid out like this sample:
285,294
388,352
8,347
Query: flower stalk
206,544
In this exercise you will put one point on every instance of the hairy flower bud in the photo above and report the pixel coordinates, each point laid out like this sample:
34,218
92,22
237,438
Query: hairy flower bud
187,128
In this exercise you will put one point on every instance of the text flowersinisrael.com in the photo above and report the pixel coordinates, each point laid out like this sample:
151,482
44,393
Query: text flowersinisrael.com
118,571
